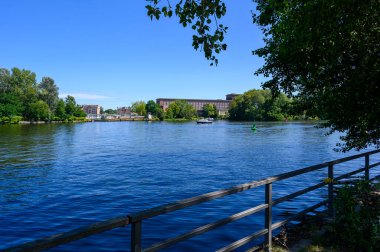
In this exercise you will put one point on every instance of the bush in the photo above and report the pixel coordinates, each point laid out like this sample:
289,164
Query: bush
15,119
356,226
4,119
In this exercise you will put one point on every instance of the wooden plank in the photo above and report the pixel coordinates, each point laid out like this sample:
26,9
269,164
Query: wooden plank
243,241
347,175
299,214
268,217
205,228
218,194
330,205
374,165
136,236
236,189
298,193
75,234
366,167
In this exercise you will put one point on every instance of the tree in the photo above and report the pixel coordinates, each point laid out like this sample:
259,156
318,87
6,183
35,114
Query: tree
326,53
154,109
48,92
110,111
209,110
260,105
173,111
79,112
332,63
151,107
198,14
60,110
70,105
139,108
39,111
10,104
180,109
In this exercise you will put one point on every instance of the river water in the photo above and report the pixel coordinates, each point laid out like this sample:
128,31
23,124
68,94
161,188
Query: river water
57,177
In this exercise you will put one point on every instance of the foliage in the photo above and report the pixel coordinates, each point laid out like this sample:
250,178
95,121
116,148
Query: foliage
39,111
259,105
22,97
11,119
180,109
110,111
356,226
70,105
10,104
60,111
79,112
209,110
48,92
199,15
139,108
154,109
326,52
151,107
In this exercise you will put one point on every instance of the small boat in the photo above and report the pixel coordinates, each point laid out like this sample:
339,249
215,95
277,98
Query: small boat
203,121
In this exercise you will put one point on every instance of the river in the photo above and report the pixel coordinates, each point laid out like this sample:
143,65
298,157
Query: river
56,177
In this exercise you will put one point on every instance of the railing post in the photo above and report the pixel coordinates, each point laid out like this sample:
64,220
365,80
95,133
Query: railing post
136,237
268,217
367,167
330,205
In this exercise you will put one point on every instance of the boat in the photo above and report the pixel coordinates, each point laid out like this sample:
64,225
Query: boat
204,121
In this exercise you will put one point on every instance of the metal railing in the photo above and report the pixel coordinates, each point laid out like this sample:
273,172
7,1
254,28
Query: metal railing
136,219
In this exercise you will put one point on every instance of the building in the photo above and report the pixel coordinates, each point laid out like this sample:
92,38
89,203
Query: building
91,109
124,112
222,106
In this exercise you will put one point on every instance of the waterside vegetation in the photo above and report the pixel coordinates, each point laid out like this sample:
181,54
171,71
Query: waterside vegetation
23,98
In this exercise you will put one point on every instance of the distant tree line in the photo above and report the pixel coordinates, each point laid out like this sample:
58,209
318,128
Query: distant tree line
23,98
177,110
253,105
260,105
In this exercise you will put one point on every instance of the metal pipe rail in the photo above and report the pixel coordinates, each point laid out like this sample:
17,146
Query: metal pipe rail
136,219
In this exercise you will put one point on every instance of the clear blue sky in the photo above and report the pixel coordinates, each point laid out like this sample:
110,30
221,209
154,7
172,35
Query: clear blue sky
111,53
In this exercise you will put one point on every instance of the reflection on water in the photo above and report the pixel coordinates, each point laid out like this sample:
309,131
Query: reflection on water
60,176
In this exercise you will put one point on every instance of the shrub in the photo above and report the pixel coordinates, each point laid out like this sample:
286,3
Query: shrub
356,226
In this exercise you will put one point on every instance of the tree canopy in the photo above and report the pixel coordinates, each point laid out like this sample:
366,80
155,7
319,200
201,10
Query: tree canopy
209,110
180,109
260,105
21,96
326,53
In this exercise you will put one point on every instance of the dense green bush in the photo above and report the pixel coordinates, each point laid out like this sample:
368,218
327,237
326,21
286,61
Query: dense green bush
356,226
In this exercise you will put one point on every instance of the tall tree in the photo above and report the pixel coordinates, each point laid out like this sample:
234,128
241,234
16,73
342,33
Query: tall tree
139,108
10,104
327,53
151,107
260,105
60,110
70,105
39,111
209,110
48,92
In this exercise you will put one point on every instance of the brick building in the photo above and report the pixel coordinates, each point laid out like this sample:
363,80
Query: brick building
222,106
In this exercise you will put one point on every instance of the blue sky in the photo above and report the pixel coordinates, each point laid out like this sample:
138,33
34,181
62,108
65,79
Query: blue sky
111,53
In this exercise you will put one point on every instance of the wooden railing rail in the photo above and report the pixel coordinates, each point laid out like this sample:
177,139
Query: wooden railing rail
136,219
